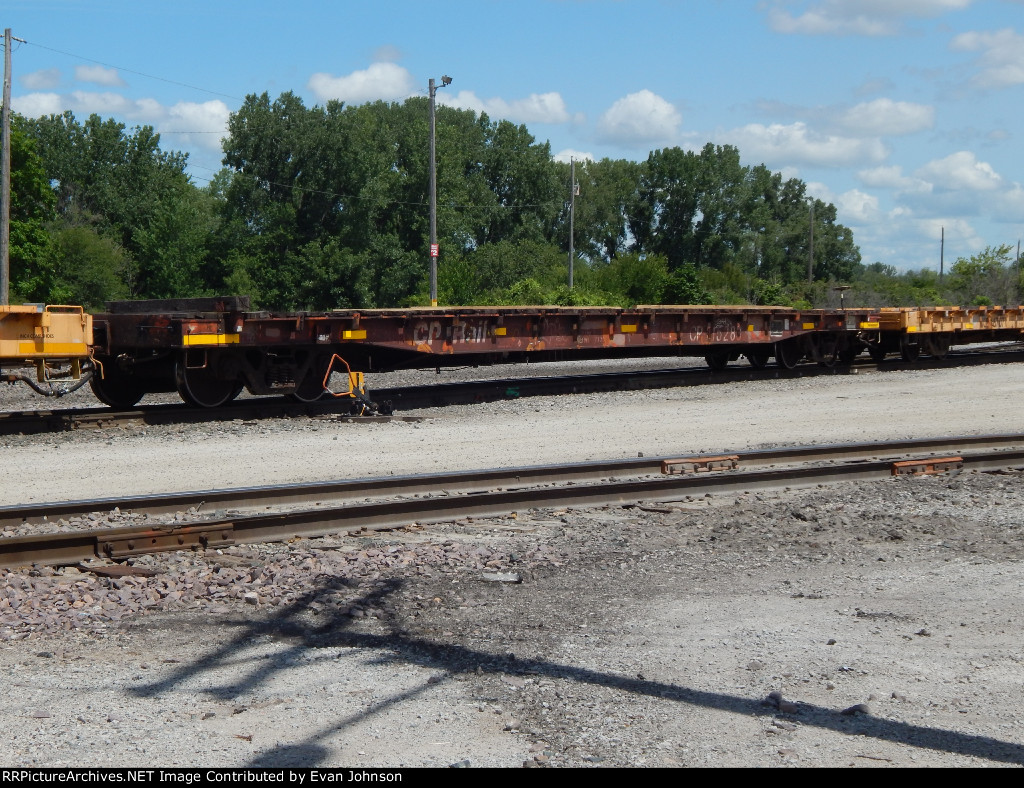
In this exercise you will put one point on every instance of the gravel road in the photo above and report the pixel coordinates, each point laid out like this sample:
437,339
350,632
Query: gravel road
862,624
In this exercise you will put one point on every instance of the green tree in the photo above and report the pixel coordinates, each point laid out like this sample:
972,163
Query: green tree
709,210
32,206
89,269
127,189
607,194
685,287
634,278
986,278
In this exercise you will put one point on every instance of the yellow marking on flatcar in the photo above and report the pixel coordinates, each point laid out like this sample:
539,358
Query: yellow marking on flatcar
869,324
354,333
500,331
41,348
808,326
912,329
628,328
193,340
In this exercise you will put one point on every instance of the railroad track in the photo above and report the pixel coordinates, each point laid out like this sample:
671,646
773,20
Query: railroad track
359,506
472,392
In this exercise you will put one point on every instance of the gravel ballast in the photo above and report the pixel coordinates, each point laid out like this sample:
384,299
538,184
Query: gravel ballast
862,624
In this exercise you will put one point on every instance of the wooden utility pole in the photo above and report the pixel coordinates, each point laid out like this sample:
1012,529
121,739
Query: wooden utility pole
5,178
942,254
572,216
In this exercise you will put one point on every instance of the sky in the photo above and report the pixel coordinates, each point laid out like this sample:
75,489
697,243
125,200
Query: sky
908,115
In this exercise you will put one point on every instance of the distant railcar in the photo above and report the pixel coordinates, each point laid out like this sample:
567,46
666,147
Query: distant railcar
55,341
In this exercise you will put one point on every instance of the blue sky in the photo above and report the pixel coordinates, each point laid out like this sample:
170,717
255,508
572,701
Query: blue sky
907,114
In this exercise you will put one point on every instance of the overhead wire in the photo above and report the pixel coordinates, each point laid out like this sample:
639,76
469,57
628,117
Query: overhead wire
137,73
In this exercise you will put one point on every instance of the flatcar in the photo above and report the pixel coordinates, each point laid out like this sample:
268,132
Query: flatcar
208,350
911,331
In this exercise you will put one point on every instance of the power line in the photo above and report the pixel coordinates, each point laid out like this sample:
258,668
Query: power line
137,73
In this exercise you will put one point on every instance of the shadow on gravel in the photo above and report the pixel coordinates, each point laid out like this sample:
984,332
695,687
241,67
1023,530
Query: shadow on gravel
456,659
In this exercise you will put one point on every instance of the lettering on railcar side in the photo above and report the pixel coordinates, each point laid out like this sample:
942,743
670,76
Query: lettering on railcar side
466,331
725,331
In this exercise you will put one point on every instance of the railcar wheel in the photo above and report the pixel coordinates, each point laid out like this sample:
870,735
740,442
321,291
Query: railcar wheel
909,350
788,353
826,350
717,360
936,346
199,386
849,353
311,387
116,389
758,359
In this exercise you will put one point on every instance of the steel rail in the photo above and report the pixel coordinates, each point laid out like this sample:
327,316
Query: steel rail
467,393
126,542
478,481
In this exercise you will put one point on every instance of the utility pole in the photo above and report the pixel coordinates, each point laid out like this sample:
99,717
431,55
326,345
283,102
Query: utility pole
810,254
5,178
434,248
572,216
942,254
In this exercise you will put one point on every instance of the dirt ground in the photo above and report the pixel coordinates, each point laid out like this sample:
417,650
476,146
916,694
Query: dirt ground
865,624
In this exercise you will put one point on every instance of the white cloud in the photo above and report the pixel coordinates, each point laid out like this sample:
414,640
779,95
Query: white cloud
41,80
857,206
885,117
797,144
900,234
38,105
1001,61
535,108
99,75
84,101
957,231
385,81
565,156
961,171
1009,206
640,118
203,125
893,178
856,17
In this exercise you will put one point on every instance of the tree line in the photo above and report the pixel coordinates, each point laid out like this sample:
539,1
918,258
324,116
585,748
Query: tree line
326,207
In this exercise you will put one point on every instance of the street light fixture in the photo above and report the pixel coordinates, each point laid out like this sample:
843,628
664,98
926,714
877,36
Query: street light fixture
434,249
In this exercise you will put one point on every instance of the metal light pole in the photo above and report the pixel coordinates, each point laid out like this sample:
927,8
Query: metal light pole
434,249
810,253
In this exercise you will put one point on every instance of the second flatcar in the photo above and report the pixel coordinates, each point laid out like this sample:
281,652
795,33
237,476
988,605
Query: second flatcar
208,350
